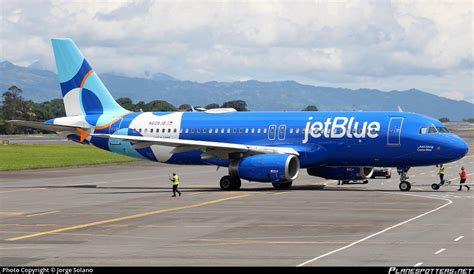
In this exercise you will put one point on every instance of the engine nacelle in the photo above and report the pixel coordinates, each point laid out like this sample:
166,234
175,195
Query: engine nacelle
275,168
342,173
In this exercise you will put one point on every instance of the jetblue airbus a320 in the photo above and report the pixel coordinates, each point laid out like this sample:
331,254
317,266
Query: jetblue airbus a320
267,147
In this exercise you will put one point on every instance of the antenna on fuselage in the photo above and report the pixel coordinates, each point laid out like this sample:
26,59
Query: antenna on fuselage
400,109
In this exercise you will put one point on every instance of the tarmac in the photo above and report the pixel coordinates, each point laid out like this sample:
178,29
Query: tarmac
124,214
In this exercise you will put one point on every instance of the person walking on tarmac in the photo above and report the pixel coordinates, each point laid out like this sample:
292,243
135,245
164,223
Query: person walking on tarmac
463,177
441,174
175,182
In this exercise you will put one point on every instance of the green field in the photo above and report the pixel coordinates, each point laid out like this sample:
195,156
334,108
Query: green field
33,156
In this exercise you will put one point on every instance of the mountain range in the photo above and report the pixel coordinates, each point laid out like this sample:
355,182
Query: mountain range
40,85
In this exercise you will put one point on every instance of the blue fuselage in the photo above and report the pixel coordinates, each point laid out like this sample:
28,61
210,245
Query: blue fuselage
394,139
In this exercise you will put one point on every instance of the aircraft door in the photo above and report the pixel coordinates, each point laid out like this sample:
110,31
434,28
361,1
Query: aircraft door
272,132
115,126
112,129
394,131
281,132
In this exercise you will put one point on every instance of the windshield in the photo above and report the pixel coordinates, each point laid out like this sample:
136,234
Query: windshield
442,130
432,130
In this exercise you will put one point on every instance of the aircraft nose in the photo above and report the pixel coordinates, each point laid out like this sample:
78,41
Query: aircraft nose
459,148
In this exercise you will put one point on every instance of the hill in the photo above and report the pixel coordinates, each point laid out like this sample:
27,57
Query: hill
40,85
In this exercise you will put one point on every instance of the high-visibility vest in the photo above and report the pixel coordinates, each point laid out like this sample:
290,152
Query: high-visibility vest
441,170
175,180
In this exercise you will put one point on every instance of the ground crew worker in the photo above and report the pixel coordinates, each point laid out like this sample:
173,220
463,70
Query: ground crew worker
463,177
441,173
175,182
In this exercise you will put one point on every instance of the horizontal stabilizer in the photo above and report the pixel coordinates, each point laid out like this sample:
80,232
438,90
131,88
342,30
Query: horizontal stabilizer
41,125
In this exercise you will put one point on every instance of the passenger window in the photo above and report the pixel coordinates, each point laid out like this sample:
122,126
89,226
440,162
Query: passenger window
228,130
198,130
222,130
169,130
259,130
140,130
204,130
265,130
174,130
192,130
186,130
246,130
210,130
163,130
234,130
240,130
297,131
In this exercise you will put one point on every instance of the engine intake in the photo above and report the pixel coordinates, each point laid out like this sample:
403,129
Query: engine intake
275,168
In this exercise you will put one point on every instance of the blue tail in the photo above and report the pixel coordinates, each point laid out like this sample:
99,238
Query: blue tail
83,91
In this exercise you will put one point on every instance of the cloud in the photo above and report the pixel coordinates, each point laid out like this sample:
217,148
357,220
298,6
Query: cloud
377,44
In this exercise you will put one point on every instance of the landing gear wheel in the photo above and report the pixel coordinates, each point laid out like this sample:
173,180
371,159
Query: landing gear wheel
286,185
228,183
435,186
238,183
405,186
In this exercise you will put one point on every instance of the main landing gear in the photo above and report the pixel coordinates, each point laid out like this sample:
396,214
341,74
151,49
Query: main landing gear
229,183
404,184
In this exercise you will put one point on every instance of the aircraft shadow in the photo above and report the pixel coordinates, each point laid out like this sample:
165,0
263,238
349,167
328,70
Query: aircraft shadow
190,189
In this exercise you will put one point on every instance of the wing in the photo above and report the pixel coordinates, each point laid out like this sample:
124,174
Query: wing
217,149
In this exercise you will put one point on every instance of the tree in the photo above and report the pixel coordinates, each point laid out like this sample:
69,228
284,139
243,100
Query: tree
469,120
444,120
311,108
184,107
211,106
126,103
159,105
239,105
12,103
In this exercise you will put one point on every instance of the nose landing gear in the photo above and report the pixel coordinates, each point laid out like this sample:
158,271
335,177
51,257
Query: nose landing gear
404,184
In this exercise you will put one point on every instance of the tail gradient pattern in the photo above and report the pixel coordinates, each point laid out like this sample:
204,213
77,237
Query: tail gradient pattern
83,92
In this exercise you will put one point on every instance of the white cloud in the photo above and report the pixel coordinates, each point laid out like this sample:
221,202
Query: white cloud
377,44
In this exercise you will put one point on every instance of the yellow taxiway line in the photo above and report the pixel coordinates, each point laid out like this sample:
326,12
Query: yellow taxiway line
156,212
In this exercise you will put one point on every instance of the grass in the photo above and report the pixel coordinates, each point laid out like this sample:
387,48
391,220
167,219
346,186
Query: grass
34,156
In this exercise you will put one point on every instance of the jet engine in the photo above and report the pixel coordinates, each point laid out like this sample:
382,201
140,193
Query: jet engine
275,168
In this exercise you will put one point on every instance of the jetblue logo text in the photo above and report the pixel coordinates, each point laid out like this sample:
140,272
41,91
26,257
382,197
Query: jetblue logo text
340,127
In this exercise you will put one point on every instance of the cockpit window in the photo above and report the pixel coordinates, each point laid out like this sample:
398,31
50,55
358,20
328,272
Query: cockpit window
432,130
442,130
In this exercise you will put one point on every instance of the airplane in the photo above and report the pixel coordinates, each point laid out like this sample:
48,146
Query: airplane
267,147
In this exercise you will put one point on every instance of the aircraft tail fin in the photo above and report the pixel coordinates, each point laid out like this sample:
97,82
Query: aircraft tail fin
83,91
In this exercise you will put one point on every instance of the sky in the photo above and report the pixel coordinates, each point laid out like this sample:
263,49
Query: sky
387,45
